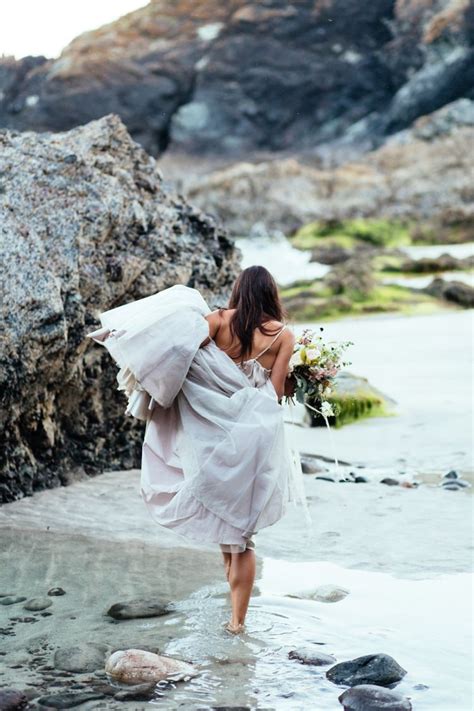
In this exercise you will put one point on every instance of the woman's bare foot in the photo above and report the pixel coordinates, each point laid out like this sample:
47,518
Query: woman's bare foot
234,629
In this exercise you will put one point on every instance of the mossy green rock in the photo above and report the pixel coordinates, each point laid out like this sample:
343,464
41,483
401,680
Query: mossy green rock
354,398
349,233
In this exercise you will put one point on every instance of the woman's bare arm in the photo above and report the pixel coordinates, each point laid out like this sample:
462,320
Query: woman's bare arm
213,320
280,366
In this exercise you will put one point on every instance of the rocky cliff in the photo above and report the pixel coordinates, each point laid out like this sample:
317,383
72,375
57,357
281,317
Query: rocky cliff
424,176
85,225
237,76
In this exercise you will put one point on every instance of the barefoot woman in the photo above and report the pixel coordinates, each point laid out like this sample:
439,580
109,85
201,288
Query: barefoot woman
216,465
251,332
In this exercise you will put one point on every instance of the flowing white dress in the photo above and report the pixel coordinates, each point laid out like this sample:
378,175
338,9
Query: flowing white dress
216,463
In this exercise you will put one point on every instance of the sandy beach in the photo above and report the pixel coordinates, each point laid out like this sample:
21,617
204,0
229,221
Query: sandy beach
404,554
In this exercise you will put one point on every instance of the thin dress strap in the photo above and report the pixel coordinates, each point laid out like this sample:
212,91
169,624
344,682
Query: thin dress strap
270,344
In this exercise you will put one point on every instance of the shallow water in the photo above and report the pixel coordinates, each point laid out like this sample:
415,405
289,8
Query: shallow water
286,263
425,364
422,281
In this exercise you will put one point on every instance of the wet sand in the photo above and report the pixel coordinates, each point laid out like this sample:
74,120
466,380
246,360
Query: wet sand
402,553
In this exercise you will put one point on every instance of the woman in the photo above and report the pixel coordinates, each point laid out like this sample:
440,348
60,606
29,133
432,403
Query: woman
251,332
216,465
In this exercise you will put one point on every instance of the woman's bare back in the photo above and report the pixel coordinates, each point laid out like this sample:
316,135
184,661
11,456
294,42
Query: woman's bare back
278,350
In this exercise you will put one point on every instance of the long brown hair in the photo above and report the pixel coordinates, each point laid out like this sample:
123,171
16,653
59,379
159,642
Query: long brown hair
256,300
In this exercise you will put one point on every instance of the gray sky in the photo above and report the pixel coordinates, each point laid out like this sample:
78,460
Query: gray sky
46,26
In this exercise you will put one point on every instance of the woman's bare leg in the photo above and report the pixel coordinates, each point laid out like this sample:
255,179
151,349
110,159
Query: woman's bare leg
241,579
227,561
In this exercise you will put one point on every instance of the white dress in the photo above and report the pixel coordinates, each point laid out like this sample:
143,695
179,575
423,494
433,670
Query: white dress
216,463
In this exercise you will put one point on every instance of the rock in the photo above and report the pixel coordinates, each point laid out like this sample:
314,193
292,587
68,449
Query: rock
389,481
68,701
325,478
460,483
451,475
78,238
414,182
368,697
452,486
360,479
354,398
323,593
311,657
37,603
56,591
12,699
310,466
380,669
138,608
11,599
442,263
329,593
212,81
140,692
456,291
132,666
82,657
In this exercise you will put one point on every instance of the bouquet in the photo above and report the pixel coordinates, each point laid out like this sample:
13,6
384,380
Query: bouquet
313,367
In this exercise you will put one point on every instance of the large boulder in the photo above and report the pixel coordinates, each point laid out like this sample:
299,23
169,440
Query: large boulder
85,225
210,77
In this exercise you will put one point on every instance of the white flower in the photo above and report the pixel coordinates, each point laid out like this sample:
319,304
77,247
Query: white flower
326,409
295,360
327,391
312,353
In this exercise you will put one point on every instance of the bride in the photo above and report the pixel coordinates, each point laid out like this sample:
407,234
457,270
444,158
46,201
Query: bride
216,465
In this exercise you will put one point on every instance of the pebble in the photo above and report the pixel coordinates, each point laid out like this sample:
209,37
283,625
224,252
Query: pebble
369,697
37,603
379,669
138,608
11,599
56,591
12,699
360,479
451,475
455,484
310,657
132,666
390,481
325,478
310,466
68,701
83,657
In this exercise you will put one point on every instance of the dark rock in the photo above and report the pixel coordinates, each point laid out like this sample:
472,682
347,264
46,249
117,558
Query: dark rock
84,657
68,701
310,657
325,478
138,608
368,697
454,291
380,669
360,479
139,692
56,591
389,481
460,483
11,599
12,699
212,81
62,416
37,603
451,475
